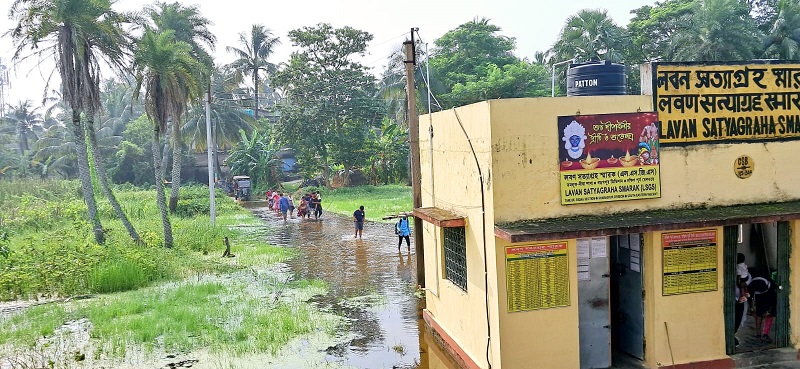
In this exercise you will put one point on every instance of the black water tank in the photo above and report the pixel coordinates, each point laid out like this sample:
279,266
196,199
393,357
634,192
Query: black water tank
596,78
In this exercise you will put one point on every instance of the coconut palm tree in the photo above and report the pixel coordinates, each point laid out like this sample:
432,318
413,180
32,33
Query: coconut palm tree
227,115
590,35
717,30
78,34
24,119
252,57
783,38
168,72
190,27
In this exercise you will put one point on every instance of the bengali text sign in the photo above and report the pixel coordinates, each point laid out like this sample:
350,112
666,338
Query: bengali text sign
537,276
689,262
730,102
609,157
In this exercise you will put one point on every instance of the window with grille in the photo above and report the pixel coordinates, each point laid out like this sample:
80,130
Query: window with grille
455,256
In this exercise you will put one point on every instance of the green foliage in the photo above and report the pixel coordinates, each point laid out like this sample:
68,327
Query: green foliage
718,30
243,311
252,57
50,252
329,99
520,79
782,40
4,249
591,35
390,149
474,63
254,156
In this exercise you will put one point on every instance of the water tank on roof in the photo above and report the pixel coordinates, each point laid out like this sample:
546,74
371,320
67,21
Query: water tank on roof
596,78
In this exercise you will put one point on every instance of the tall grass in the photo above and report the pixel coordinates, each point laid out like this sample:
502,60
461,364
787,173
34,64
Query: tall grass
52,252
182,298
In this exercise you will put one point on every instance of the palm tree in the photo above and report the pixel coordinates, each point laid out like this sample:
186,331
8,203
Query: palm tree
783,40
77,33
226,112
716,30
252,57
190,27
167,70
590,35
24,119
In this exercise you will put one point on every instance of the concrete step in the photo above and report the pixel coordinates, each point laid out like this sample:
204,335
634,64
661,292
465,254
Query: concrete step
758,359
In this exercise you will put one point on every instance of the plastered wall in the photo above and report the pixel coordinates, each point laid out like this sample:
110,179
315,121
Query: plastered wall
525,143
695,321
457,188
546,338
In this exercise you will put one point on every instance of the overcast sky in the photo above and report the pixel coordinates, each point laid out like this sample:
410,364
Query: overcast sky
534,24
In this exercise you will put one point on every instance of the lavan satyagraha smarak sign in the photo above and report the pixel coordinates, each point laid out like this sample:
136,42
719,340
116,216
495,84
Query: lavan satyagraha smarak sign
730,102
609,157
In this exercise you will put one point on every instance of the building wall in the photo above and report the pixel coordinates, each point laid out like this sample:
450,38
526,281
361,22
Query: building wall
695,321
546,338
457,188
516,141
794,284
525,161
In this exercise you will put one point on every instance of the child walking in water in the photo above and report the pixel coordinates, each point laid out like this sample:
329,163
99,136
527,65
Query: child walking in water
403,230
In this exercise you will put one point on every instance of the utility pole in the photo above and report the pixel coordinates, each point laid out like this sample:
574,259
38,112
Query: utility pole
413,128
211,198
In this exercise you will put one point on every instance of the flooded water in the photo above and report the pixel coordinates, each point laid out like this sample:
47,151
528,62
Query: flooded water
372,284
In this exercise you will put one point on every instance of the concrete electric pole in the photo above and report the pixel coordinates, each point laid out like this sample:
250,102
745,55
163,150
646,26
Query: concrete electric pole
413,128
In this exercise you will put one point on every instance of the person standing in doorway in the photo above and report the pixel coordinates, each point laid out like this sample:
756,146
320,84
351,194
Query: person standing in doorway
742,294
403,230
358,220
765,297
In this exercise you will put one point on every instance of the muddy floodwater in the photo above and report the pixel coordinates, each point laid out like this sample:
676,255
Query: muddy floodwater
371,296
372,284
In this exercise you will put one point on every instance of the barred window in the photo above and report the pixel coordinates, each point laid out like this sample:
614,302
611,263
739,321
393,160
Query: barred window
455,256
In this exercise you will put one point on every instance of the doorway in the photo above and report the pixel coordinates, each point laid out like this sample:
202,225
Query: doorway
611,300
762,321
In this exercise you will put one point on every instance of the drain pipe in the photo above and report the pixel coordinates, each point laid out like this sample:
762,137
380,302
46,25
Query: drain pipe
483,233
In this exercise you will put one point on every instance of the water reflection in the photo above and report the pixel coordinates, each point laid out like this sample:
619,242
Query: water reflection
371,284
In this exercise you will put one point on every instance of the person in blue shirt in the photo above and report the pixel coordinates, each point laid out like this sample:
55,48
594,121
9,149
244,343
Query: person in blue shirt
403,230
283,203
358,220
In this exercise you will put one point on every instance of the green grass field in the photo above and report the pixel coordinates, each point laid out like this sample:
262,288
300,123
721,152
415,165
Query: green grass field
378,201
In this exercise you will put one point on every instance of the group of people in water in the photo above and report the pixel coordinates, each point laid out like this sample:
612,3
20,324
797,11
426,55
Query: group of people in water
310,204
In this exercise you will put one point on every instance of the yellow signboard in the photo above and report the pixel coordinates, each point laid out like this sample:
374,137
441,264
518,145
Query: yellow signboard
689,261
610,184
537,276
730,102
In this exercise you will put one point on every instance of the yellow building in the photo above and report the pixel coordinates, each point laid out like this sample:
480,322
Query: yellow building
538,257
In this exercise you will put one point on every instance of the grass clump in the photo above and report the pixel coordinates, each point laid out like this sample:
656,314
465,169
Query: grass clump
117,276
